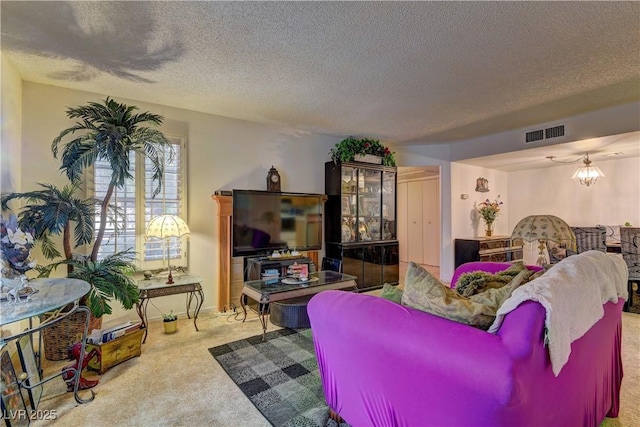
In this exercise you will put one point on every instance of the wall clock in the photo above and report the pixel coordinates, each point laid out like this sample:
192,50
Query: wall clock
273,180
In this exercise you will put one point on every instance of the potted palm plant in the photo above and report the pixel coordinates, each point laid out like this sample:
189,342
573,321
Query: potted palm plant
108,131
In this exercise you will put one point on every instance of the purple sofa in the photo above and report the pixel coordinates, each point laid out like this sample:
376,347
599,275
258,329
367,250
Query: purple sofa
384,364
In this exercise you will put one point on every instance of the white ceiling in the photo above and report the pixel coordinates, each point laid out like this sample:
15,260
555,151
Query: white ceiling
401,72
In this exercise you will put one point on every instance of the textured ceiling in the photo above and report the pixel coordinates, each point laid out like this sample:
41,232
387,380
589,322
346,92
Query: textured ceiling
403,72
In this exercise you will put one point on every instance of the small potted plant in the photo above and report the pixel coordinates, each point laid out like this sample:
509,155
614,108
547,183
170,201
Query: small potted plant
170,322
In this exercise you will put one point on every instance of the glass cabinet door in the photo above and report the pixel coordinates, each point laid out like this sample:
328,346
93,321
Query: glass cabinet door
388,206
367,204
369,192
349,204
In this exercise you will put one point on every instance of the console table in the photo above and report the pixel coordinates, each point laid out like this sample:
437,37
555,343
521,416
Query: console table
154,288
493,249
52,296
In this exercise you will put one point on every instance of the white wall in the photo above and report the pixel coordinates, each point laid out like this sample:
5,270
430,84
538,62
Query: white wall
612,200
10,117
465,222
222,154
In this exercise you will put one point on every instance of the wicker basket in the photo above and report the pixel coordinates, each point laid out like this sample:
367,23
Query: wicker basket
368,158
68,331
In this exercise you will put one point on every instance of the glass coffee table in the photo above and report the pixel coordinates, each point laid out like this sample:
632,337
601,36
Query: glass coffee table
268,291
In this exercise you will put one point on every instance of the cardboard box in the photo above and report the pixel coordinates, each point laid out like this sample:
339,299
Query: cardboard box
116,351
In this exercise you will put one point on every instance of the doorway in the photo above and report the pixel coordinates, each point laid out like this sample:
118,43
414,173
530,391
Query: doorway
419,222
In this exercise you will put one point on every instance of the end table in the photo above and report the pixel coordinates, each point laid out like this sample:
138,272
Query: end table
154,288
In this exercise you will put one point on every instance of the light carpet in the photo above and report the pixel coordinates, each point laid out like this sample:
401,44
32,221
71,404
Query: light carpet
175,383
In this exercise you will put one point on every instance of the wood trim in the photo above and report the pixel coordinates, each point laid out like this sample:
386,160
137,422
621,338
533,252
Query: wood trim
225,209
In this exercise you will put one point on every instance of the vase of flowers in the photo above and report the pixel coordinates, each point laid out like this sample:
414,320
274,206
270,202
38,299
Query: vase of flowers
489,211
364,149
16,245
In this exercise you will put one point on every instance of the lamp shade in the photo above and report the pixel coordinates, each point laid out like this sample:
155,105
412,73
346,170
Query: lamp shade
166,226
544,227
588,175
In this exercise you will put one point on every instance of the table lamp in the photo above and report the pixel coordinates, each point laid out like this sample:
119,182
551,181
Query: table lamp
543,228
164,227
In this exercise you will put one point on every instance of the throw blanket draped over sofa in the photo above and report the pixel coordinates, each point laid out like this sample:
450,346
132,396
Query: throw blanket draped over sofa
386,364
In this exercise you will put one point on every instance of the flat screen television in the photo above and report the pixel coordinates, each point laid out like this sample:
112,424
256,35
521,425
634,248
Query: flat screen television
265,221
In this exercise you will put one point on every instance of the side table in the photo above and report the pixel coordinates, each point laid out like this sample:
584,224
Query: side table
154,288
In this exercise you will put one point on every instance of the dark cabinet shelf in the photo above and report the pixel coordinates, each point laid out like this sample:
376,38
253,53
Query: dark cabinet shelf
360,221
495,249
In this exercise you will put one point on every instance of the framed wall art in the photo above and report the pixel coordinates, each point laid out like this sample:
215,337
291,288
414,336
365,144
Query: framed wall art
482,185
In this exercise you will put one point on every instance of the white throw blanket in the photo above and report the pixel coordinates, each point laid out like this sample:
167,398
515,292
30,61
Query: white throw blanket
573,293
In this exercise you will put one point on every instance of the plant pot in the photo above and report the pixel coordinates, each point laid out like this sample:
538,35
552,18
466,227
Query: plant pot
368,158
170,326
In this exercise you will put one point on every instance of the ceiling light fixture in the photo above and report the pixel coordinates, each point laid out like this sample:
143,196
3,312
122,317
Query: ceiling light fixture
587,175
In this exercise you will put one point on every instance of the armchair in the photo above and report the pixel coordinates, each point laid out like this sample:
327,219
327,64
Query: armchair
630,247
590,238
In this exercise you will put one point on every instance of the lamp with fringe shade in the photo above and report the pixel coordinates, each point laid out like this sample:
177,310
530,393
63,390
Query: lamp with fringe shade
543,228
164,227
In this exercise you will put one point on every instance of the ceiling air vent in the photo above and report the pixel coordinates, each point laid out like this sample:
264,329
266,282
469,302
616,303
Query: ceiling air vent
534,135
554,132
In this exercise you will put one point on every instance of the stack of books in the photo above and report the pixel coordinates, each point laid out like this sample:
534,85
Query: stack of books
101,336
270,276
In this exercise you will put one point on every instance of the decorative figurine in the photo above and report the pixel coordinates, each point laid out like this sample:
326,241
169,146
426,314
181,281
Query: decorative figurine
74,354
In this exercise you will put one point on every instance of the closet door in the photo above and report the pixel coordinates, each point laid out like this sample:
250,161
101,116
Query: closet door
415,229
431,221
402,222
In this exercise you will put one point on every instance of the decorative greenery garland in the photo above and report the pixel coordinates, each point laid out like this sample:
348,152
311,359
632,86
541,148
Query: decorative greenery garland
348,148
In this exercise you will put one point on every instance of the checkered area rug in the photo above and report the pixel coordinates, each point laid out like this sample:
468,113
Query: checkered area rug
279,375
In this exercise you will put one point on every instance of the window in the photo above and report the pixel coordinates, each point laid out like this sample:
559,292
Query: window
137,207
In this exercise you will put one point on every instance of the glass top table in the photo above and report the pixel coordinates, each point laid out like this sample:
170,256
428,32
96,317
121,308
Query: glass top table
274,290
158,287
51,294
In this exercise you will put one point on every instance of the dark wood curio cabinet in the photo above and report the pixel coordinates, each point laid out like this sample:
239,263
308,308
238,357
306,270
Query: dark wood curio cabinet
361,221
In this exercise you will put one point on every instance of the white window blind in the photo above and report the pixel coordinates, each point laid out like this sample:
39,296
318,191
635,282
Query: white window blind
137,206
